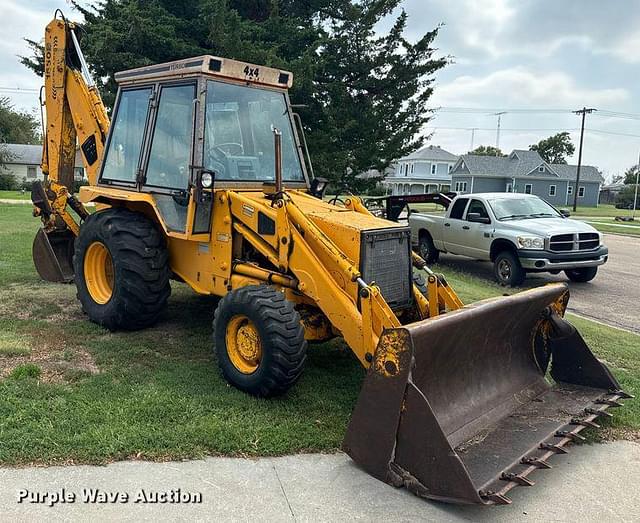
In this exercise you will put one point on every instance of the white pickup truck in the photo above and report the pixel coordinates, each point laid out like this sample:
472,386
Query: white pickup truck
519,233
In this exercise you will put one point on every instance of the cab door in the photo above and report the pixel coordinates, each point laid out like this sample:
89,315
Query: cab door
169,171
477,238
453,233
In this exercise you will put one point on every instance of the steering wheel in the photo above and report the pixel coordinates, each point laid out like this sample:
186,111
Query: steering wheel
229,144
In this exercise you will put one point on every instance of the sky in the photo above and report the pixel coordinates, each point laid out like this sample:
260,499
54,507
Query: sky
532,55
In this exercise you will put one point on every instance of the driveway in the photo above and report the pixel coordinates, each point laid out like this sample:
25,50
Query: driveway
613,297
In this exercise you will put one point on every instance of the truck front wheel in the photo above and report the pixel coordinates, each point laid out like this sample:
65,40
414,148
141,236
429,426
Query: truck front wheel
582,275
427,249
507,269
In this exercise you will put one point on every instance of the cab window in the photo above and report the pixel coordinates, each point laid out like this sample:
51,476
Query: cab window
170,154
477,206
457,210
239,123
125,143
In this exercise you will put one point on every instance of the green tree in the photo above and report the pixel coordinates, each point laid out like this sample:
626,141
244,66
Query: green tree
487,150
364,93
630,175
17,126
555,149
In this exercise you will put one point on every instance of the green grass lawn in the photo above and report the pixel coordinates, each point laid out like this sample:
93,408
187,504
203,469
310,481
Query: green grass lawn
604,210
14,195
73,392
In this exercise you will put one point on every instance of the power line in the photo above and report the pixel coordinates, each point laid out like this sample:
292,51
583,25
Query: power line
18,90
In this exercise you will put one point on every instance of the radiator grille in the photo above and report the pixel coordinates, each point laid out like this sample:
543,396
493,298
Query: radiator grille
585,241
385,258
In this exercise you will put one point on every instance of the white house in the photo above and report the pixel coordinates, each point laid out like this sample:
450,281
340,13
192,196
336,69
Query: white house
24,162
424,171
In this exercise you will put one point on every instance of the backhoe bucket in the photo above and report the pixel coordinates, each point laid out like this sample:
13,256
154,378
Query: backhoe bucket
53,255
459,408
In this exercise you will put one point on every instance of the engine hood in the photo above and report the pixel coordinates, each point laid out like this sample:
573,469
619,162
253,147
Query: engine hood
547,226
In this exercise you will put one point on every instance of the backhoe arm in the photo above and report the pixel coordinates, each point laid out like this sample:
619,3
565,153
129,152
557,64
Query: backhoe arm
74,114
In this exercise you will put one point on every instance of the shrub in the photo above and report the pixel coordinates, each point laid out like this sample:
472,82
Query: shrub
8,182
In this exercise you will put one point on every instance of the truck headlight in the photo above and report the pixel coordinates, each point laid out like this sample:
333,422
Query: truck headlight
530,242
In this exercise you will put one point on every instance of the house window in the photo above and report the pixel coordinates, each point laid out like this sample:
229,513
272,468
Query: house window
450,166
433,168
552,190
461,186
509,187
412,168
527,188
581,192
541,169
32,171
569,190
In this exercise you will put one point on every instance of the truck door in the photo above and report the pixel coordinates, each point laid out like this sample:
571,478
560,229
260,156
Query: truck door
452,232
477,238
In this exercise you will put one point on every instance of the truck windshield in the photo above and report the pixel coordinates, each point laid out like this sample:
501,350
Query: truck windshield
522,208
239,124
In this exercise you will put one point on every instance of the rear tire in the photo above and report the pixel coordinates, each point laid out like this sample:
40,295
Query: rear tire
427,249
582,275
259,340
507,269
121,269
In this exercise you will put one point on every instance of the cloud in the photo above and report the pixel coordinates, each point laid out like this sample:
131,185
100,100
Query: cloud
522,87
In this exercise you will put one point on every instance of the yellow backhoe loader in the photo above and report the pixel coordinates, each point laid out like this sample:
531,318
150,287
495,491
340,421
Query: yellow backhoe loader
203,176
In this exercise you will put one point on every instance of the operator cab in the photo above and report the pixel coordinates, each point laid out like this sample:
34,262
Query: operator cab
174,121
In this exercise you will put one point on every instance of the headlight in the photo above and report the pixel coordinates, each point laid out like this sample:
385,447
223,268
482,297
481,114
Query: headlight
206,180
530,242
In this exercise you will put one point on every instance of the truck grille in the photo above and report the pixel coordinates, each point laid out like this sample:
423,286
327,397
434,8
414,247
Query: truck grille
585,241
385,259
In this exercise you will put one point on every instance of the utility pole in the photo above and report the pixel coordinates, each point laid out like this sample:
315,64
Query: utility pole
583,112
635,193
473,134
499,115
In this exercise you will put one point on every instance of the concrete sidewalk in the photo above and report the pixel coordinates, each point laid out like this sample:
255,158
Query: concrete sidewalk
593,482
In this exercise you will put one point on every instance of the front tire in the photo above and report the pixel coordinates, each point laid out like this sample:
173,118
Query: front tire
259,340
427,249
582,275
121,270
507,269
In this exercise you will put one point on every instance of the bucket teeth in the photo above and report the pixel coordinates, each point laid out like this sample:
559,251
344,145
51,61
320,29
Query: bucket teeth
622,394
536,462
517,478
495,497
598,412
611,403
554,448
571,435
585,423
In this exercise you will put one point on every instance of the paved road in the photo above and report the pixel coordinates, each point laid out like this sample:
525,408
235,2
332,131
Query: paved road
613,297
592,483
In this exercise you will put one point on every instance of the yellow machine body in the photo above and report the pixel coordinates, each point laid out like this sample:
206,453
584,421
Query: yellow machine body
202,177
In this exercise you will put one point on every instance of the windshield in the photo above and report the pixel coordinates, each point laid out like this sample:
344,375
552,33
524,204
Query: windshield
239,126
517,208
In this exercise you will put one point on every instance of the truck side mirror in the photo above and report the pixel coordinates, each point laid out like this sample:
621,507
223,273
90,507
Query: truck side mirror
476,217
565,213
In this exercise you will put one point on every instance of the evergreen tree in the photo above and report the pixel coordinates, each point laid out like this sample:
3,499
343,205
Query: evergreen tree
364,93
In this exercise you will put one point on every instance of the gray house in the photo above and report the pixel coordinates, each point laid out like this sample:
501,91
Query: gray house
424,171
526,172
24,162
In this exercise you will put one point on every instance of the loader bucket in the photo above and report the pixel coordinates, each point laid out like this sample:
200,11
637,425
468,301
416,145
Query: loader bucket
460,408
53,255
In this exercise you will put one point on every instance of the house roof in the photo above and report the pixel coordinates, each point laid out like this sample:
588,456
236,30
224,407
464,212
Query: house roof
25,154
520,163
431,152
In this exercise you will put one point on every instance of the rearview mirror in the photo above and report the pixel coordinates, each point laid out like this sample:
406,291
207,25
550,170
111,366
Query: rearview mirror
476,217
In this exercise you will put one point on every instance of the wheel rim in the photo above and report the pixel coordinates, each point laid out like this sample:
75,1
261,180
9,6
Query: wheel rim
244,347
424,250
98,272
504,270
